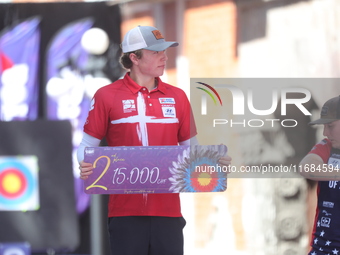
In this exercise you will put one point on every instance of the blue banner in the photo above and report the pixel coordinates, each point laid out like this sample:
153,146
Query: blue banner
19,55
65,88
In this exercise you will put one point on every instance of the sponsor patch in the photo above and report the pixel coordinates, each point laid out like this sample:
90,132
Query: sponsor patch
327,204
129,105
169,111
325,222
157,34
167,100
326,213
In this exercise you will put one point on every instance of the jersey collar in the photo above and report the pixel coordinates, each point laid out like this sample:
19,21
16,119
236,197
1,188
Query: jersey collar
134,87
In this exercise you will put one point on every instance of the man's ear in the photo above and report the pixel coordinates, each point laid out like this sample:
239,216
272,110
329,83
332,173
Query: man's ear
133,57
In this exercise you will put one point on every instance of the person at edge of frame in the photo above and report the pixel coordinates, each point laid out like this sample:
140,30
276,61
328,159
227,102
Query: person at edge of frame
322,164
143,224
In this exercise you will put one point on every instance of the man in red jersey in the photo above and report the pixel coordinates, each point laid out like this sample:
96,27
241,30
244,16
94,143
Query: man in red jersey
322,164
141,110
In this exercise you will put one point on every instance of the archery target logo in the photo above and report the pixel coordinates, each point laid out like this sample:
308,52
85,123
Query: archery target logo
19,183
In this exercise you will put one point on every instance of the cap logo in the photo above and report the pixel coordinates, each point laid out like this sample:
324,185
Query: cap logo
324,111
157,34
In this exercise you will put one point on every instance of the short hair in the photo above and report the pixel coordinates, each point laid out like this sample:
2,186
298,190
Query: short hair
125,60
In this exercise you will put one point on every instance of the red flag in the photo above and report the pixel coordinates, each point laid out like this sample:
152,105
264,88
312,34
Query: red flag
5,62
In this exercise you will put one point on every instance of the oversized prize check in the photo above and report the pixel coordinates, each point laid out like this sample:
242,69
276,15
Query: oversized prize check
156,169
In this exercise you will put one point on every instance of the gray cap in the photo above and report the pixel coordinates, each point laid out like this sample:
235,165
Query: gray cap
330,112
145,37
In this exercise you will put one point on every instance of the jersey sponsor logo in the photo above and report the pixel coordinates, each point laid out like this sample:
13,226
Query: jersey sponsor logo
327,204
167,100
129,105
326,213
325,222
169,111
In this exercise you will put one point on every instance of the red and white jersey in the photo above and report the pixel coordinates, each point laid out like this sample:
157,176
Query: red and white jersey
127,114
323,149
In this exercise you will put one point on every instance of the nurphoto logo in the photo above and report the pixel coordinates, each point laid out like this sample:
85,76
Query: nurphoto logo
243,103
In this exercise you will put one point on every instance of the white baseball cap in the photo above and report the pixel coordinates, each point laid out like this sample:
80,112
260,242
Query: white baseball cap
145,37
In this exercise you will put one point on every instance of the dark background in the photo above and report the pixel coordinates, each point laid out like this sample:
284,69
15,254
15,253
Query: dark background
58,224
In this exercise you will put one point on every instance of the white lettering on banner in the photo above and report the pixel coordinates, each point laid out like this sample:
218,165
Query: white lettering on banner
136,175
14,97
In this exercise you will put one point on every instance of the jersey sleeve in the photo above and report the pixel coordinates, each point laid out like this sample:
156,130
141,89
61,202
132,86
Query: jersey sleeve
96,124
322,149
187,128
